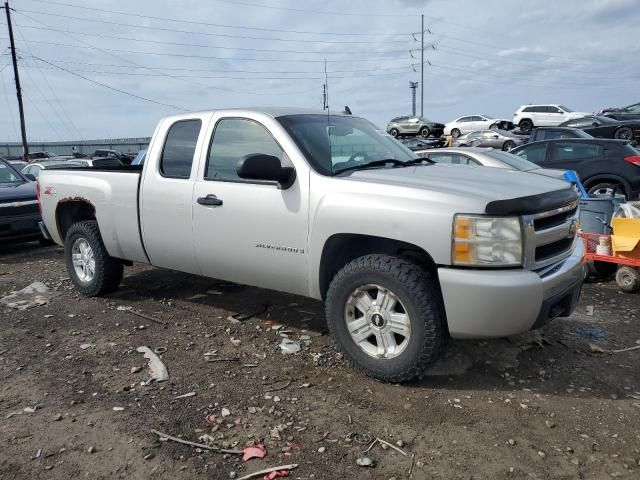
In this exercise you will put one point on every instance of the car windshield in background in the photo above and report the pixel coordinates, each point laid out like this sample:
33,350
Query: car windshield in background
488,117
425,120
568,110
504,133
8,175
333,143
518,163
603,119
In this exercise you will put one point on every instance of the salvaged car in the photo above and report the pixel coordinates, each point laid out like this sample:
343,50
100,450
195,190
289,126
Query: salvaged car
19,214
403,252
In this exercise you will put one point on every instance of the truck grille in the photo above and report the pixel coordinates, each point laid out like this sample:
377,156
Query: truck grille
18,207
550,236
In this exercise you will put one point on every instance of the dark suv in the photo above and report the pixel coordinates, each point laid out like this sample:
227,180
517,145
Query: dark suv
601,164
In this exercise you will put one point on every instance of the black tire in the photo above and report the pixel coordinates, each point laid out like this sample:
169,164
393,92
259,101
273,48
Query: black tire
108,270
526,125
628,279
425,132
420,296
394,132
623,133
455,133
508,145
602,186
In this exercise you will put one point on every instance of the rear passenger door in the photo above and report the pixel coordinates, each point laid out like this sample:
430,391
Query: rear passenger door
574,156
166,206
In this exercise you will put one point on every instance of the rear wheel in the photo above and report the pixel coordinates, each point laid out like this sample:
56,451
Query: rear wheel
509,145
526,125
624,133
386,315
455,133
628,279
92,270
394,132
605,187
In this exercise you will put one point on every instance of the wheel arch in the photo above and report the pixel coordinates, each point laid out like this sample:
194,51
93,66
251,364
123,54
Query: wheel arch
71,211
341,248
607,177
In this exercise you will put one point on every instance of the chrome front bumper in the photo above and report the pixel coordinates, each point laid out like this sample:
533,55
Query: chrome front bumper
499,303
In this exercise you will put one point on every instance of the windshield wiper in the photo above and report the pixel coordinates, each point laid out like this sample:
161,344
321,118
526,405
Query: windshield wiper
382,163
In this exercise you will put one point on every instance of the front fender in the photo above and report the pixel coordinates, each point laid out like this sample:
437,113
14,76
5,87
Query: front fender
411,220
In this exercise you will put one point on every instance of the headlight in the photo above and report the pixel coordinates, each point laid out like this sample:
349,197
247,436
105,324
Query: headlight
486,241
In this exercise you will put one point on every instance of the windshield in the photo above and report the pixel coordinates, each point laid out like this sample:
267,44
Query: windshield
488,117
602,119
518,163
425,120
568,110
504,133
332,143
8,175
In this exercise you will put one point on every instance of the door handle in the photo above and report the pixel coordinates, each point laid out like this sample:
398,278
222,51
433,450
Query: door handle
210,201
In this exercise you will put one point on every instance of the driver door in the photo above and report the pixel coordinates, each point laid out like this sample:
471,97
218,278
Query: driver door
255,233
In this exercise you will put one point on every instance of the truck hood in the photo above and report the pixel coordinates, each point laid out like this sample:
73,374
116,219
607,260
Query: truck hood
486,183
20,191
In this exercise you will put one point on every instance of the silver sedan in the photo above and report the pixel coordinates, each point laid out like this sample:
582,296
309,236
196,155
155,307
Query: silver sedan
495,138
486,157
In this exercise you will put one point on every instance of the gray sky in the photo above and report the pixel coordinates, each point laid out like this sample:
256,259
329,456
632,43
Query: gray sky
490,57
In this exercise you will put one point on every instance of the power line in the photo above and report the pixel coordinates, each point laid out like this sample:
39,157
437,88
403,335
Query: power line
226,35
182,44
6,98
65,114
209,24
43,116
316,12
112,88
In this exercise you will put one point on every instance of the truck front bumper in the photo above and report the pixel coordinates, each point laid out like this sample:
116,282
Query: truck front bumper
490,303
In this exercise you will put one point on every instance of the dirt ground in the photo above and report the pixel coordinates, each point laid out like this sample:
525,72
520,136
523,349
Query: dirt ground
543,405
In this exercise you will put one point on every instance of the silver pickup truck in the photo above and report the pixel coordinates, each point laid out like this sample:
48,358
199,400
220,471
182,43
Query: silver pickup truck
404,253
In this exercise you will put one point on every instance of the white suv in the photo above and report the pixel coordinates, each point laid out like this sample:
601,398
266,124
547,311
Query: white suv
551,115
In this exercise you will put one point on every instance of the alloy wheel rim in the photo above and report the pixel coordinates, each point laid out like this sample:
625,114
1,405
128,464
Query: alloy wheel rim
377,321
83,259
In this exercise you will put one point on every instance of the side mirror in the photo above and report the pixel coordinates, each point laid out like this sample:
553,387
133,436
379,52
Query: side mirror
258,166
30,176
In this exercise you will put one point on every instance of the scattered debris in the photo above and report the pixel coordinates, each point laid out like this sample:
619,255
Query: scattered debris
590,310
281,387
118,409
124,308
237,318
145,316
136,369
621,350
235,341
226,412
30,409
91,449
289,346
186,395
159,371
597,348
210,419
391,446
365,462
254,451
413,460
85,346
591,332
31,296
279,470
160,350
214,360
165,437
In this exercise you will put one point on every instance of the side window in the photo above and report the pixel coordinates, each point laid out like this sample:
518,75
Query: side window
234,138
575,151
529,109
476,119
533,153
553,110
179,148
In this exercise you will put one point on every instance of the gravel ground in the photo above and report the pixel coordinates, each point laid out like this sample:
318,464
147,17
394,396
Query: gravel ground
549,404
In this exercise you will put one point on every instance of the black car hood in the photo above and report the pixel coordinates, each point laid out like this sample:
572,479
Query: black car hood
20,191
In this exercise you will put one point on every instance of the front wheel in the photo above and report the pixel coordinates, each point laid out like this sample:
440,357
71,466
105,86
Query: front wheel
425,132
394,132
386,315
604,188
92,270
455,133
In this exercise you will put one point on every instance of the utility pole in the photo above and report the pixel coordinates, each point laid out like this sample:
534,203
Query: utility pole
25,146
422,65
324,96
413,86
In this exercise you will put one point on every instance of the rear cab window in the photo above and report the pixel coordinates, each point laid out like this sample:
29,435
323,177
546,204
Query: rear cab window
179,148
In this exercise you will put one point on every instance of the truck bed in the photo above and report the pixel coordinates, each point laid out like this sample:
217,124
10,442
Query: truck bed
112,192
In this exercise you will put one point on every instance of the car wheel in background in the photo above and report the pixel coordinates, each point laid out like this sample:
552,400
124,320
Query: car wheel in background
386,315
604,188
624,133
526,125
394,132
455,133
628,279
425,132
509,145
91,269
